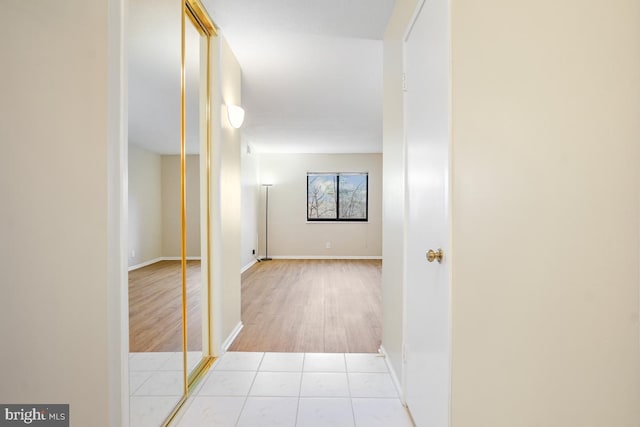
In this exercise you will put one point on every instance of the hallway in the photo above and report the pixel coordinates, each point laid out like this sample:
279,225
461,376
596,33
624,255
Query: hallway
543,177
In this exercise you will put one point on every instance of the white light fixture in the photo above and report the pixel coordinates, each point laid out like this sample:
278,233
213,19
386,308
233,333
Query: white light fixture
235,114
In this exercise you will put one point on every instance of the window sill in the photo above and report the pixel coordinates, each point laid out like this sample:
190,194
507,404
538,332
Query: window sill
337,222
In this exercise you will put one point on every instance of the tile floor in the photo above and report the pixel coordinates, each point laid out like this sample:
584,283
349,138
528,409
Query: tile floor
288,389
155,385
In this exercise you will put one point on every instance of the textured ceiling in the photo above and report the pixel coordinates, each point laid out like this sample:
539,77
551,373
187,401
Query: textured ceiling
312,73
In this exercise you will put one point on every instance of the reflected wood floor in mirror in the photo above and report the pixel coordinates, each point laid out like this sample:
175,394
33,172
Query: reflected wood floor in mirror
155,307
331,306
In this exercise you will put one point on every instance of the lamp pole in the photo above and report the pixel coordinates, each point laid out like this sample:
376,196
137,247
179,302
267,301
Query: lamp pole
266,224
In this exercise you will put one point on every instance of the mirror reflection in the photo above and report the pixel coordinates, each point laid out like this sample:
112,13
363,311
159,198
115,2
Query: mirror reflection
159,361
156,374
194,218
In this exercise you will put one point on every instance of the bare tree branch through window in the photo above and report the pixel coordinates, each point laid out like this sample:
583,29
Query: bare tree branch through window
337,196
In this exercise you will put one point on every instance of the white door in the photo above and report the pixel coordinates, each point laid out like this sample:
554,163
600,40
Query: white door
427,126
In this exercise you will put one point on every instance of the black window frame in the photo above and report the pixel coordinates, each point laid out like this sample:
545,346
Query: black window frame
337,196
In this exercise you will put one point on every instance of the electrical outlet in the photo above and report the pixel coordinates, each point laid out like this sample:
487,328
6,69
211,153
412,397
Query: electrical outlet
133,253
328,245
253,251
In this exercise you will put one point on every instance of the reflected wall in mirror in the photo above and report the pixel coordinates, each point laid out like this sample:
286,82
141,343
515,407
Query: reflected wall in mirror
194,217
168,204
156,374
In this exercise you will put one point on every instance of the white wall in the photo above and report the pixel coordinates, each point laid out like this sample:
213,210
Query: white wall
393,185
154,206
55,306
290,235
250,200
546,101
145,206
171,205
226,195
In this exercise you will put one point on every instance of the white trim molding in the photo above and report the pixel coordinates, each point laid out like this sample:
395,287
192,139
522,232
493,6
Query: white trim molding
232,336
162,258
146,263
392,372
248,266
326,257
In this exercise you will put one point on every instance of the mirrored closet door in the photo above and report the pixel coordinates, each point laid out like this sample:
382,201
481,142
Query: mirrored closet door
169,206
198,30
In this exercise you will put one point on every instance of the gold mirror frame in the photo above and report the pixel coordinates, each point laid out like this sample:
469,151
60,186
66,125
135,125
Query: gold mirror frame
196,13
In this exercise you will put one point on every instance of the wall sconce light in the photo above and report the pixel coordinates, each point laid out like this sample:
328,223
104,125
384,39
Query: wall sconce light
235,115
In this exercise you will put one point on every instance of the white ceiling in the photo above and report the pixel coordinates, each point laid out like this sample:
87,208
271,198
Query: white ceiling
312,72
154,76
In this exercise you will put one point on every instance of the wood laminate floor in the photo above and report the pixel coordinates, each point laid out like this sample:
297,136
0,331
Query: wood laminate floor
155,307
331,306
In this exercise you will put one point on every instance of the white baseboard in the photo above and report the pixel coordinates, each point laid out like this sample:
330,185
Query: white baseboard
392,371
162,258
325,257
248,266
232,336
177,258
144,264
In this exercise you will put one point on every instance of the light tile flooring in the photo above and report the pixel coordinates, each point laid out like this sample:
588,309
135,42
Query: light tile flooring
155,385
294,389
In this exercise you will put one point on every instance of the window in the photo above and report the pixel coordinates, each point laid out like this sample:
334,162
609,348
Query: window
337,196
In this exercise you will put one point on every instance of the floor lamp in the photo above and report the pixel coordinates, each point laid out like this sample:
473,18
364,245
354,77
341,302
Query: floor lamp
266,224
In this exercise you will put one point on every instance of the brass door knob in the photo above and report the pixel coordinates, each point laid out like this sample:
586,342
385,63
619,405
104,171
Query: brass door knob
435,255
